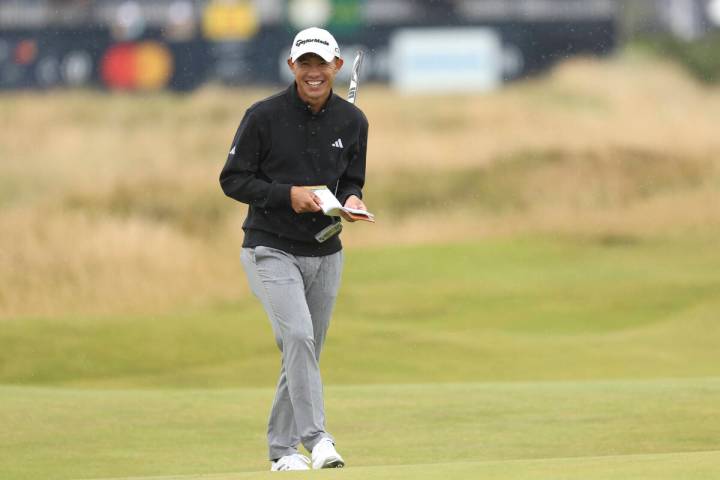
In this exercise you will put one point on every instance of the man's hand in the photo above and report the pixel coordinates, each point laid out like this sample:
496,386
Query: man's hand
353,202
304,200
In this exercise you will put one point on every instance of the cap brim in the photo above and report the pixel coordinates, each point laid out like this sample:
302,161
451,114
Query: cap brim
325,55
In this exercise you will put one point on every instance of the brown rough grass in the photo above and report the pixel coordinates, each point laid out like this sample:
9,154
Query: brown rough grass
110,203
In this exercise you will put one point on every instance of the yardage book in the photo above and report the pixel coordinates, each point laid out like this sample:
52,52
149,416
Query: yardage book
332,208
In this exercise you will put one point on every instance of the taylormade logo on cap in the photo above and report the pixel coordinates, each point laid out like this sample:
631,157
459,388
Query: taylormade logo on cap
303,42
314,40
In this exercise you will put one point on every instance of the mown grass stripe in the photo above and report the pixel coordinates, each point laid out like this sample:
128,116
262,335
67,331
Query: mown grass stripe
701,462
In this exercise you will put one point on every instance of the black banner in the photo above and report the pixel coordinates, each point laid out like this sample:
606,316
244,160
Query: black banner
90,57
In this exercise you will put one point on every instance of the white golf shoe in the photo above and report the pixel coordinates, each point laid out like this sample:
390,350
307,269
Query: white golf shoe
324,455
290,462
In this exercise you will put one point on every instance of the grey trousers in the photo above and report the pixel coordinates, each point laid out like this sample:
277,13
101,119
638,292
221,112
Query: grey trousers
298,294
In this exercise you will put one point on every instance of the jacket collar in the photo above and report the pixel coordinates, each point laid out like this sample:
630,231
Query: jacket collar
294,99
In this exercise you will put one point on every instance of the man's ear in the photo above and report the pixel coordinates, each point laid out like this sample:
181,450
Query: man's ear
339,63
291,65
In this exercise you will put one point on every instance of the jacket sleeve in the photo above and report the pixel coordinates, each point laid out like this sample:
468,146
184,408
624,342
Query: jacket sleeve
353,178
240,177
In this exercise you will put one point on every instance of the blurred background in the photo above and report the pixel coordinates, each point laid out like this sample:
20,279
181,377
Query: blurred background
497,116
183,44
586,118
545,175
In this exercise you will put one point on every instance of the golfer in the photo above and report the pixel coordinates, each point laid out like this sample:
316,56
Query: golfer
303,136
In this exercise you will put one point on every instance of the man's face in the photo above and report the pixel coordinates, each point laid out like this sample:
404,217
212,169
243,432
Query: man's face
314,76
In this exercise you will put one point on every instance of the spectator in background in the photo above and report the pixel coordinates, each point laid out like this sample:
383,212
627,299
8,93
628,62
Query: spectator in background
129,21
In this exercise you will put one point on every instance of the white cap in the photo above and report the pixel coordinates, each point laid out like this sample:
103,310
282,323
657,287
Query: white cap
314,40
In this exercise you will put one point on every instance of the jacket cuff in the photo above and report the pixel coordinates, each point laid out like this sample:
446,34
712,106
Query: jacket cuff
342,198
279,195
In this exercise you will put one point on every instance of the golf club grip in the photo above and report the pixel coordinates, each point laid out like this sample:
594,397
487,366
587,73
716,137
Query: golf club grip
354,77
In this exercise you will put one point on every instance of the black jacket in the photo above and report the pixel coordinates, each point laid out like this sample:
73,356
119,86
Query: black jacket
281,143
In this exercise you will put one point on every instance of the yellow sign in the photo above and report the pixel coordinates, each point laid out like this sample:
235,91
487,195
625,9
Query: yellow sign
230,20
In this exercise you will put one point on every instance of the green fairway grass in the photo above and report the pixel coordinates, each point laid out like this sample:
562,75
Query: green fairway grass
53,433
528,358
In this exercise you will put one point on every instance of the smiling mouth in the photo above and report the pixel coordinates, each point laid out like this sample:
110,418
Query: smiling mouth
314,83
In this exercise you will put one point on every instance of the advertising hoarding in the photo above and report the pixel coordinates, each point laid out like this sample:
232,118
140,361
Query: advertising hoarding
442,60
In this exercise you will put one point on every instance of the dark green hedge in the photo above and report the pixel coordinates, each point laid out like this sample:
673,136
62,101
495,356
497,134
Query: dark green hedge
701,57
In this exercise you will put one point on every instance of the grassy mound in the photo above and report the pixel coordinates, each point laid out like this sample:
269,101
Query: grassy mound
118,209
